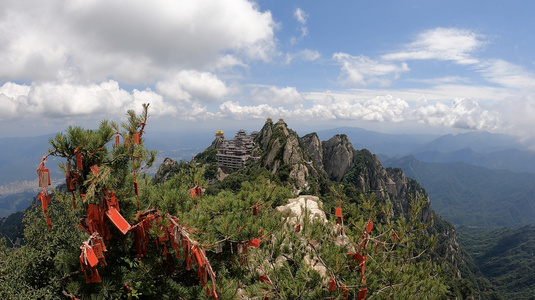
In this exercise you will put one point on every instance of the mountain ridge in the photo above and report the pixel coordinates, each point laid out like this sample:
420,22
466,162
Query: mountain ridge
307,165
472,195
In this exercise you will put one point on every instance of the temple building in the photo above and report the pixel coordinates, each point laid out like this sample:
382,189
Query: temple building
236,152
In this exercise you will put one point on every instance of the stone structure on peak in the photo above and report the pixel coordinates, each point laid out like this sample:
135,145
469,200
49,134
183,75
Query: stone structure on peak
234,153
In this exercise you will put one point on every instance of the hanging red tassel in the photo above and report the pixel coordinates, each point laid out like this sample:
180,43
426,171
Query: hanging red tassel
298,228
45,199
197,256
198,190
94,169
362,294
94,275
265,279
254,243
338,212
332,285
345,291
73,200
117,140
369,226
79,164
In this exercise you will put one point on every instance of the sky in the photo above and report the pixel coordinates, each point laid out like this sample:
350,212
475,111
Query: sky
391,66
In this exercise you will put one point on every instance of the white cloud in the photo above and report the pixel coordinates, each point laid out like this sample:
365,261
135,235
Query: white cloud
442,80
236,111
303,55
275,95
301,17
507,74
379,109
461,113
131,41
58,100
9,108
464,113
362,71
517,115
188,85
451,44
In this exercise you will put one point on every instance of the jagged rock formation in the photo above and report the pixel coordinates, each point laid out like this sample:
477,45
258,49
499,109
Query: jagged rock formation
313,146
282,151
337,156
166,170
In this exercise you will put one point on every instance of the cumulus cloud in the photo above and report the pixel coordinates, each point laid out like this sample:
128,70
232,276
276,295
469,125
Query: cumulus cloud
130,41
379,109
188,85
234,110
362,71
55,100
464,113
451,44
277,96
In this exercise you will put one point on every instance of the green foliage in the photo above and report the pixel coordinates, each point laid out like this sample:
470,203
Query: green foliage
13,203
229,218
505,257
35,270
11,227
467,195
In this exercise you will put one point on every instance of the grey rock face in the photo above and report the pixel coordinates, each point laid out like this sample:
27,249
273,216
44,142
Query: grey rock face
337,156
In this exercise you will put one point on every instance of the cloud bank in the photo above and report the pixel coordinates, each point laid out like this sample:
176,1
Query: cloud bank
196,60
131,41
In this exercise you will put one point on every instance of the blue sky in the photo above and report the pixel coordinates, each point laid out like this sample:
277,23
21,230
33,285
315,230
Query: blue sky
395,66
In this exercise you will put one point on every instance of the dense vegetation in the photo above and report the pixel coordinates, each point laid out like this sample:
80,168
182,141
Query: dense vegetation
15,202
506,257
467,195
359,250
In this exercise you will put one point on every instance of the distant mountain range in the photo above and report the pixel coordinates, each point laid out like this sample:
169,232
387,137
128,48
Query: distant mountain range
21,155
479,148
474,196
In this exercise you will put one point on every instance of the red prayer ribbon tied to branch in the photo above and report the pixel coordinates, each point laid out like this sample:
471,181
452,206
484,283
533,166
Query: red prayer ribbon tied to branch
93,248
195,191
92,254
176,235
43,175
